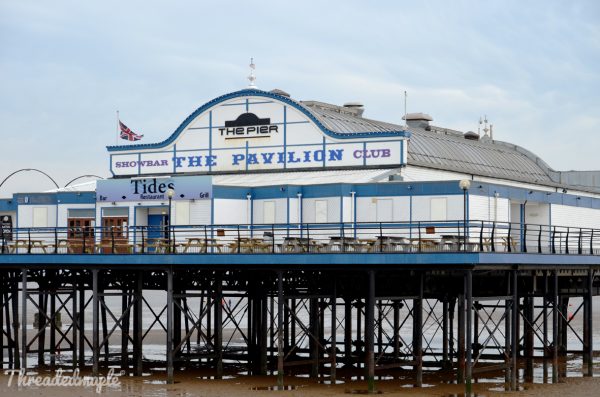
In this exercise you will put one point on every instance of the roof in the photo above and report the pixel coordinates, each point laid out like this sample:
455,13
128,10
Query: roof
445,149
303,178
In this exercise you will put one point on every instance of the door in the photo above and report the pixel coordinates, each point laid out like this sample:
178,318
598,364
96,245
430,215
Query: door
157,231
114,229
80,234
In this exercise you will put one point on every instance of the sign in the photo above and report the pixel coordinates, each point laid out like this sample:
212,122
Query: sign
253,133
6,227
154,189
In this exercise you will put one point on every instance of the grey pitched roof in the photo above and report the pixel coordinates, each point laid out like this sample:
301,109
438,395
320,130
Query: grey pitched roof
444,149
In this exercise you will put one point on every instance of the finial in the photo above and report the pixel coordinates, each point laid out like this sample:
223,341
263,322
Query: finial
252,78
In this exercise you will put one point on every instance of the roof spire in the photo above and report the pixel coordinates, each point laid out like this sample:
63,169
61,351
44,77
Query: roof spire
252,78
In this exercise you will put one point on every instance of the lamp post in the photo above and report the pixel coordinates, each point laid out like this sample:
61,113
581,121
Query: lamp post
170,194
464,185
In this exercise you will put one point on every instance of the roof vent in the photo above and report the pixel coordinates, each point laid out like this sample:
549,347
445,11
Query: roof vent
472,136
417,120
358,107
277,91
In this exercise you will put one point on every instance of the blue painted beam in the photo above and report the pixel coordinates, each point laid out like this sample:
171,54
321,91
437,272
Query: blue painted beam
309,260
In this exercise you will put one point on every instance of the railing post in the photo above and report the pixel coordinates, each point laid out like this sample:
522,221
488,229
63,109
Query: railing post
380,237
239,239
524,242
28,245
343,238
174,251
481,238
591,243
580,243
419,226
553,240
540,241
307,238
112,239
509,238
55,241
83,241
493,237
567,241
143,239
273,239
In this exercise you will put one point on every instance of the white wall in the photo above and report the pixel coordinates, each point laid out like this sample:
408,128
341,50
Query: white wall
482,208
25,214
230,212
333,209
563,215
280,210
366,209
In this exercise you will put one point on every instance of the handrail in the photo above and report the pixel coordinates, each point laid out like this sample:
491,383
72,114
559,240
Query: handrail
368,237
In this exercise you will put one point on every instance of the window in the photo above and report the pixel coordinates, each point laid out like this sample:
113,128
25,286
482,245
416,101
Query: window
321,211
40,217
269,212
385,210
439,209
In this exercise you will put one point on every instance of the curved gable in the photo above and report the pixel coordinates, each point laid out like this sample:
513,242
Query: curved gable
253,130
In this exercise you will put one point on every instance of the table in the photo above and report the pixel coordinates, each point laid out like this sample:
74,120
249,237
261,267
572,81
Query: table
390,243
250,244
343,243
300,244
425,244
34,244
202,243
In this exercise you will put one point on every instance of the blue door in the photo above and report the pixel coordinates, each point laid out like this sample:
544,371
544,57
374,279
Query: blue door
157,231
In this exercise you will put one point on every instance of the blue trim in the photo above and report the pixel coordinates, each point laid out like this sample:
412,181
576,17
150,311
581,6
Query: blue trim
342,209
210,144
139,166
285,137
248,92
324,151
247,106
363,154
269,260
402,152
174,155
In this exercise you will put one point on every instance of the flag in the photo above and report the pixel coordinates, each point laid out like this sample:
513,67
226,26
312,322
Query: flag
127,134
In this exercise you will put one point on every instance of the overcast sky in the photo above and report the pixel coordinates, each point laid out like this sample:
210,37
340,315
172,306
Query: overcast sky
67,66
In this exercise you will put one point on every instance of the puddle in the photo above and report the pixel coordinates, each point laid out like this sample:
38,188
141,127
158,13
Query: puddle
275,388
362,391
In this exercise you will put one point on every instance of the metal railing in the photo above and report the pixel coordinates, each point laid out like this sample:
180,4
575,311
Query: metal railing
363,237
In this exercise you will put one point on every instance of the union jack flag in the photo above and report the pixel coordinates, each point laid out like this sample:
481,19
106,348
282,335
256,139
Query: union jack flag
127,134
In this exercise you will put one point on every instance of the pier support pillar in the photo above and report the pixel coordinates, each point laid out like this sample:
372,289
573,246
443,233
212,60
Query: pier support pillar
137,324
95,324
170,326
588,345
418,333
24,297
469,313
280,335
370,332
219,324
528,309
333,354
460,367
514,332
555,309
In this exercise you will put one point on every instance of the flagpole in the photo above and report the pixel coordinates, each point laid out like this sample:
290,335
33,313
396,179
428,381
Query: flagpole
117,136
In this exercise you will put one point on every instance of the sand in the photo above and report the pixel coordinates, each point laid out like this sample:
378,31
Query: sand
243,386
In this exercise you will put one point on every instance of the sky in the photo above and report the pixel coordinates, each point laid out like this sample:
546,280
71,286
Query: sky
66,67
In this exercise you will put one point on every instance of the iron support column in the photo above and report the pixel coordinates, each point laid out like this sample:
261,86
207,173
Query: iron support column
555,327
95,324
137,325
170,326
588,346
23,319
418,333
469,313
280,330
370,332
514,331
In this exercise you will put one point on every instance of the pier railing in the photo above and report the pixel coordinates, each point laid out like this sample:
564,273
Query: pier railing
349,237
